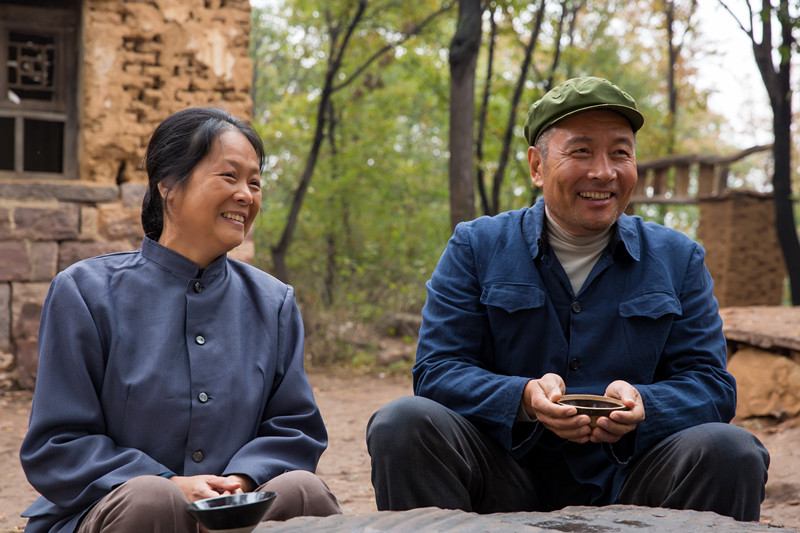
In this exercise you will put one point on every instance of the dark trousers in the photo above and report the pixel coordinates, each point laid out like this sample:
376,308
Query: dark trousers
425,455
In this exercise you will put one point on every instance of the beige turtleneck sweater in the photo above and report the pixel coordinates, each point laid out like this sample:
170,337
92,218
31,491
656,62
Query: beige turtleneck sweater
577,255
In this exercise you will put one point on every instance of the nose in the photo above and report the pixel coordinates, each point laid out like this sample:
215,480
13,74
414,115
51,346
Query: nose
243,195
602,168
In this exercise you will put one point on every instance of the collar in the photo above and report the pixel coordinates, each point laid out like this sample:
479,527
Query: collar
623,232
179,265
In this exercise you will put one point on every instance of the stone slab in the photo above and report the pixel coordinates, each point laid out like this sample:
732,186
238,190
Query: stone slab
766,327
58,190
610,519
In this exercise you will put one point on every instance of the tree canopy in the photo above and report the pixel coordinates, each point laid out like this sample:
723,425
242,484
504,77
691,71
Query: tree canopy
363,88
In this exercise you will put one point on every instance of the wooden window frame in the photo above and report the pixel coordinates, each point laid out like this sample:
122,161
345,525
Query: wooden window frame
61,24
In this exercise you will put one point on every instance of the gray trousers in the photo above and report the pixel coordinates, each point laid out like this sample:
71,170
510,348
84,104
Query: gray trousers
156,505
425,455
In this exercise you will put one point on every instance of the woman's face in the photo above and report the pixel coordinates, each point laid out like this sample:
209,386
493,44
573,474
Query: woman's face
212,214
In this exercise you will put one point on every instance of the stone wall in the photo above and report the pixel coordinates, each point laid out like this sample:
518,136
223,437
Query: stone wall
743,254
142,60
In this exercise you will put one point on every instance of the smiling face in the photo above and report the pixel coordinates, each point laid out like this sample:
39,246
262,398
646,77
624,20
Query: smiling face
589,172
212,214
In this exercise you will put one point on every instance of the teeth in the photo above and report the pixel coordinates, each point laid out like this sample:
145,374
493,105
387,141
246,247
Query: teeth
595,195
237,218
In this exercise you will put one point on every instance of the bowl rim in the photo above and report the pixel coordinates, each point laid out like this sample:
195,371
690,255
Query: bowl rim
617,405
267,495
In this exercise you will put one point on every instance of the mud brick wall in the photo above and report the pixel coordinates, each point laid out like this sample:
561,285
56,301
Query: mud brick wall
743,254
141,61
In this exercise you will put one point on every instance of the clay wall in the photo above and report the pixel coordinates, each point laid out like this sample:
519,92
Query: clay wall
743,254
141,60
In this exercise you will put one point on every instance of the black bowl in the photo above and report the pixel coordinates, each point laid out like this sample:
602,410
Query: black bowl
234,511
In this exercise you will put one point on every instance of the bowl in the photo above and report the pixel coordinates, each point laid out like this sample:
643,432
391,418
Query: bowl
592,405
234,513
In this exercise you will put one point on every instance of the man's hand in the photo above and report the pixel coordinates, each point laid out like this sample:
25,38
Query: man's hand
539,399
207,486
618,423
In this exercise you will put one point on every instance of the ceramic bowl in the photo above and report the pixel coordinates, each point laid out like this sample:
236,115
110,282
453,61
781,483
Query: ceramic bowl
239,513
592,405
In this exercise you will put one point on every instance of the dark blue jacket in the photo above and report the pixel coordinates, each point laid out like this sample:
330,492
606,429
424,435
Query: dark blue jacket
500,311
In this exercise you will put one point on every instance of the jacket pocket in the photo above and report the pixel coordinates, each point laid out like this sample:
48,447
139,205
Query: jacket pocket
651,305
512,297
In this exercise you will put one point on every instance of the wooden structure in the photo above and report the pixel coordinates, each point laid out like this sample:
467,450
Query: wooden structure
736,226
685,178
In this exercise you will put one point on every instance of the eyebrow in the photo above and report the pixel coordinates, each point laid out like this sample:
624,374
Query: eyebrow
586,139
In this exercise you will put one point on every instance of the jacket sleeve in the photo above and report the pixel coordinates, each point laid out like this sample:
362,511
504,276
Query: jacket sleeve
291,435
454,351
691,385
66,454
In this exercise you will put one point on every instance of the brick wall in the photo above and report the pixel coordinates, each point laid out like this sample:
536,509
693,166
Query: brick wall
142,61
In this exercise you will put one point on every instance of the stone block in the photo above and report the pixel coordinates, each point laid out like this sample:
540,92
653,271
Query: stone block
89,224
43,258
14,261
117,222
27,300
132,195
5,317
27,362
72,252
5,221
59,190
43,223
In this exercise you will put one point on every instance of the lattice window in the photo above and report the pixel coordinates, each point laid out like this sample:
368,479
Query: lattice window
38,124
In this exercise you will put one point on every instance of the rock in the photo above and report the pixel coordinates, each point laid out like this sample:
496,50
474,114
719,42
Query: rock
610,519
768,384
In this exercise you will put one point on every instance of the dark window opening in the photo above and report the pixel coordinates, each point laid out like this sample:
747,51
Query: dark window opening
6,143
44,146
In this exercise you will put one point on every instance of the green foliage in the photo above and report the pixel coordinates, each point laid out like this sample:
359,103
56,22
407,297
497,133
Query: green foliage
375,218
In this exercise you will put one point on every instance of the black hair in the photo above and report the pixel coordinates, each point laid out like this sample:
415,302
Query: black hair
178,144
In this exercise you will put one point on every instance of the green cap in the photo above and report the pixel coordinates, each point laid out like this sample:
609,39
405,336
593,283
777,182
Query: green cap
574,96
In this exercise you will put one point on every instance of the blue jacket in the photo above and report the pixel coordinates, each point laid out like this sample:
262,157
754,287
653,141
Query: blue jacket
149,365
500,311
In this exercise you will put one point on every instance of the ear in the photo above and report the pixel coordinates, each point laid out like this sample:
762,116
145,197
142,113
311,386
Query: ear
536,165
163,191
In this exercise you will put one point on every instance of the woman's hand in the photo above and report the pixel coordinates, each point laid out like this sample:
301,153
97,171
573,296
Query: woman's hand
207,486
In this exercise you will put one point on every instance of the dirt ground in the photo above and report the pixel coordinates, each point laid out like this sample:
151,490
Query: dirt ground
346,403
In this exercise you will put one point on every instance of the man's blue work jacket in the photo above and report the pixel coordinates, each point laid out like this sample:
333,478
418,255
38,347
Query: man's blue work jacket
500,311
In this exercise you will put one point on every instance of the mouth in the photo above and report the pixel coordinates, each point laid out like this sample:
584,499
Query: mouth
595,195
234,217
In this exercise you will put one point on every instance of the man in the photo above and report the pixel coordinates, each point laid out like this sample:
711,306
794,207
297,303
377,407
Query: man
570,296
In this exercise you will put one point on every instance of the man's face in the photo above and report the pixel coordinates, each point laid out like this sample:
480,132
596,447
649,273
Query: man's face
589,172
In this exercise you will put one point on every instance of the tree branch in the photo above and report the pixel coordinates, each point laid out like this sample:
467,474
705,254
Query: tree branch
415,30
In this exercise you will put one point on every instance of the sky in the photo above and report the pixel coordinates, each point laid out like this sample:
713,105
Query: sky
731,74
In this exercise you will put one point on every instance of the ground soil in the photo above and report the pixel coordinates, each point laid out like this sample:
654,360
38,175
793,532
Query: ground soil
347,402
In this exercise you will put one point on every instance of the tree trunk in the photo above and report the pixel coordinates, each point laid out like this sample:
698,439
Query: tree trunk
464,50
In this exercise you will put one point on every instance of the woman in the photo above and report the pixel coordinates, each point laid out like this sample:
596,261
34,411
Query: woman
173,373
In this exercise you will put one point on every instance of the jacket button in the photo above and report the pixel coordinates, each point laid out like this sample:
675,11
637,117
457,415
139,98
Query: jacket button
203,397
197,287
200,340
574,364
576,307
197,456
